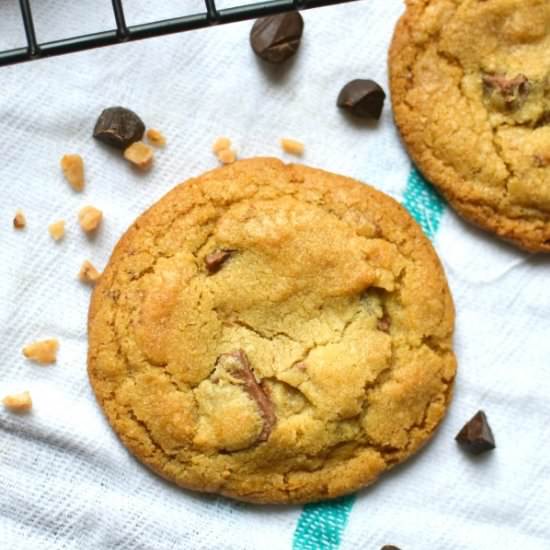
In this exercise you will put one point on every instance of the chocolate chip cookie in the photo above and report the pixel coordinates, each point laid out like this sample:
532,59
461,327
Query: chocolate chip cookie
470,82
273,333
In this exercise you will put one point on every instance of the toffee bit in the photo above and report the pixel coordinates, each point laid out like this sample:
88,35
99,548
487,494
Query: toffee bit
292,147
88,273
73,170
42,351
18,402
19,220
89,218
156,137
57,230
220,144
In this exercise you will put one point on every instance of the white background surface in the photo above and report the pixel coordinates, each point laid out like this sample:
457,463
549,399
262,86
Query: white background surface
66,481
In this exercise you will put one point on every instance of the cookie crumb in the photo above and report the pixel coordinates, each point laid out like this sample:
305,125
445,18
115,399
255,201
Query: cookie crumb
57,230
220,144
19,220
89,218
42,351
88,273
140,155
18,402
73,170
292,147
156,137
222,149
227,156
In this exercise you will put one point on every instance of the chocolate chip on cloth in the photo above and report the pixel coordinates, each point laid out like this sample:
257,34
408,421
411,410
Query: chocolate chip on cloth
119,127
300,370
362,98
470,85
476,435
277,38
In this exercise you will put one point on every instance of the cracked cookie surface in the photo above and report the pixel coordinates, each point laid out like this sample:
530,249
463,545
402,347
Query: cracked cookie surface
470,82
273,333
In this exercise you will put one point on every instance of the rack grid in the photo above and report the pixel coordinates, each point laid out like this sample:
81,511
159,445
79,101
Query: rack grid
124,33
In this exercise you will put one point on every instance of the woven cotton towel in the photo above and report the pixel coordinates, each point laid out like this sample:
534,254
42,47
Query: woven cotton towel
67,482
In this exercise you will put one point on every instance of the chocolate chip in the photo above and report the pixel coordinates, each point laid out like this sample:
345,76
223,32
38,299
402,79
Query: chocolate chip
507,93
216,259
237,364
506,86
476,436
389,547
362,98
118,127
277,37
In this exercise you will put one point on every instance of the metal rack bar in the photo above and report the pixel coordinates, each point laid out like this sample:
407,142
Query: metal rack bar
123,33
211,10
28,23
118,10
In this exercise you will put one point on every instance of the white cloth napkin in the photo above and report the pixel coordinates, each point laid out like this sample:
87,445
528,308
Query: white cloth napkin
65,480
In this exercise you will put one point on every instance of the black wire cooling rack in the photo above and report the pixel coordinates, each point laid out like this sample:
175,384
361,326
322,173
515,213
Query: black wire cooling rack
123,33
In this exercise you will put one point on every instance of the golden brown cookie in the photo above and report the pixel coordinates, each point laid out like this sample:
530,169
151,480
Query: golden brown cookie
273,333
470,82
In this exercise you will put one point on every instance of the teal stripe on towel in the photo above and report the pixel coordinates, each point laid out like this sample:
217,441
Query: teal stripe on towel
321,524
423,203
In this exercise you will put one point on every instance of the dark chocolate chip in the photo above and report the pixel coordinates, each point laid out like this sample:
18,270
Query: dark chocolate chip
119,127
238,365
476,436
389,547
277,37
216,259
362,98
